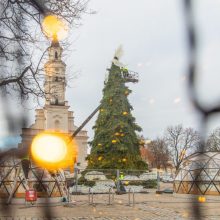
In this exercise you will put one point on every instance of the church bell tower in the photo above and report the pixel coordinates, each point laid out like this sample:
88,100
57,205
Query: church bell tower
55,82
55,115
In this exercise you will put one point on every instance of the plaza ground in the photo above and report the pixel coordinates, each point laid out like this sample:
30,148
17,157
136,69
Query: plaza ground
147,206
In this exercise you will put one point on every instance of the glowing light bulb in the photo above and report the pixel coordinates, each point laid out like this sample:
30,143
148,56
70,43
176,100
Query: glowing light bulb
53,150
201,199
53,25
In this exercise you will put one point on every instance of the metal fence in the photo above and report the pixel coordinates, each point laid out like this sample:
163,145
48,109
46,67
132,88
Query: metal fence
100,180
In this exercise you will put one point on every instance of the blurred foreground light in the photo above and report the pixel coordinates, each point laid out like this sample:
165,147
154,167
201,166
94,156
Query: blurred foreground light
53,25
53,150
201,199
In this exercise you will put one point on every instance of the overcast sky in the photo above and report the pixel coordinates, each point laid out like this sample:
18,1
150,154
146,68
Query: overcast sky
152,33
153,36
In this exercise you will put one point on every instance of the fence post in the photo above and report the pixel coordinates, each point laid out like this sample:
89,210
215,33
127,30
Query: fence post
117,183
90,196
133,198
76,178
129,197
110,196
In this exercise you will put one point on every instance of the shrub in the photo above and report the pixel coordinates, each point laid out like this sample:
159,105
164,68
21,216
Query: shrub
83,181
149,184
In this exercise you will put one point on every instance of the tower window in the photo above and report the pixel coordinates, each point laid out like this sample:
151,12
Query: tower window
57,125
56,55
56,101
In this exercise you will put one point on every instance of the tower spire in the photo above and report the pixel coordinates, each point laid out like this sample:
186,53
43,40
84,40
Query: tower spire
55,41
54,85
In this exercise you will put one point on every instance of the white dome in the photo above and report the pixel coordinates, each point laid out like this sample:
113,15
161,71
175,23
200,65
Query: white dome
199,174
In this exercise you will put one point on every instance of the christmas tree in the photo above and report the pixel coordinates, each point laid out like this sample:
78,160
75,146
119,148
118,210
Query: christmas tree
115,144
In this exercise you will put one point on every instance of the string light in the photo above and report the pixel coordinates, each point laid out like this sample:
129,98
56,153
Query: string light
101,110
114,141
100,158
117,134
99,145
124,159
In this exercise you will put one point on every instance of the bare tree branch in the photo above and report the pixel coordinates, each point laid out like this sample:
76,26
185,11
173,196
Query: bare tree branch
159,152
213,142
180,140
19,22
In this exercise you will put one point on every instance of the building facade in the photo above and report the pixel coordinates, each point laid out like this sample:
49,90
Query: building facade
55,114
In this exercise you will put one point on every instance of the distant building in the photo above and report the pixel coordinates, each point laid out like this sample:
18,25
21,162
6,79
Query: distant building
55,114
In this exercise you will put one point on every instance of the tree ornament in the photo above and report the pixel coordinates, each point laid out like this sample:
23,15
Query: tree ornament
99,158
126,183
125,113
122,135
126,92
114,141
141,142
117,134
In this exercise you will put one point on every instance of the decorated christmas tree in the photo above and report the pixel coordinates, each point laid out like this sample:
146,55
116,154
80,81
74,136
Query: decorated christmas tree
115,144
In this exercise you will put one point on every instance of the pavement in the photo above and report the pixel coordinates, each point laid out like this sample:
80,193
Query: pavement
146,206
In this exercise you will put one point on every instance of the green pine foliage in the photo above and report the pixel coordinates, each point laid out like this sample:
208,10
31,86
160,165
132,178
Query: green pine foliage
115,144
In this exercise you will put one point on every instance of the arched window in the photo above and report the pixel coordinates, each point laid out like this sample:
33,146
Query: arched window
57,125
56,101
56,55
